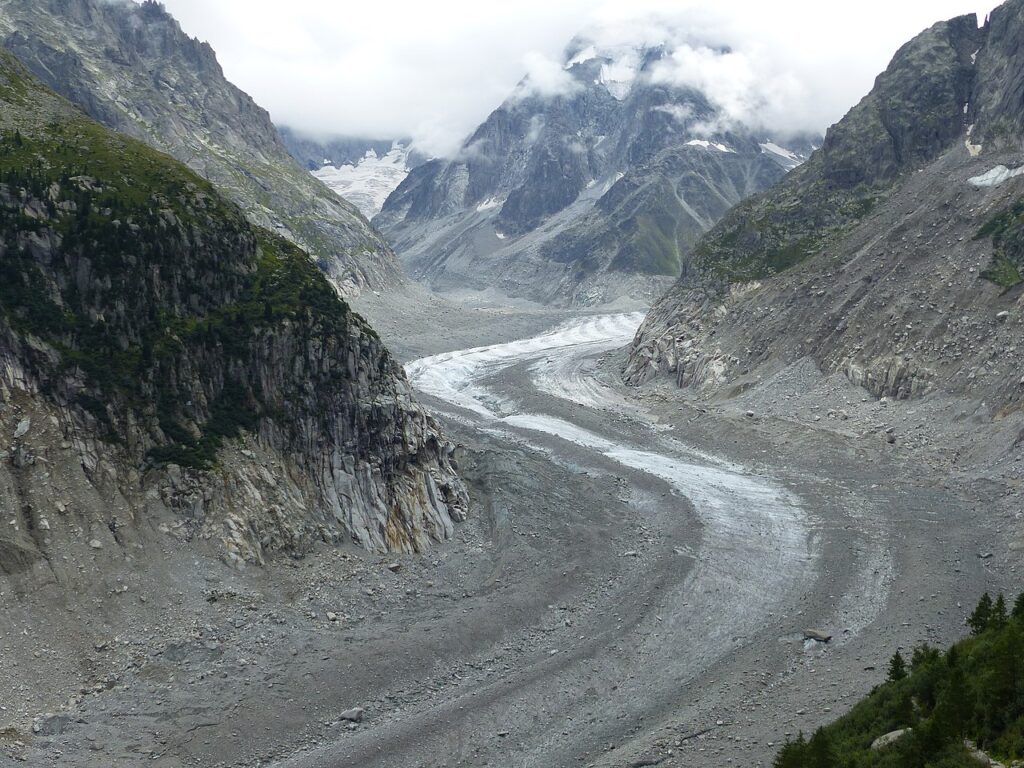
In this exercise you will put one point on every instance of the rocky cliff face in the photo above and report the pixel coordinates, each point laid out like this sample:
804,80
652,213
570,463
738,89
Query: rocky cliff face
581,196
893,255
165,362
133,69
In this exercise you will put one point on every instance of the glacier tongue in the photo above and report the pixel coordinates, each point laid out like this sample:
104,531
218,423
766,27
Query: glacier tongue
368,183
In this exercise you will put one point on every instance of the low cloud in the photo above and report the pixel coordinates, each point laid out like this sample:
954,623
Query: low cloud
746,92
680,112
434,71
546,77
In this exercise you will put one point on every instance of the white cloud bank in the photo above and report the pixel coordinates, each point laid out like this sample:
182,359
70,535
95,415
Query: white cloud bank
433,71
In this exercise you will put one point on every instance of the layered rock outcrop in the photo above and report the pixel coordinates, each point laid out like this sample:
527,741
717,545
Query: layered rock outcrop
175,363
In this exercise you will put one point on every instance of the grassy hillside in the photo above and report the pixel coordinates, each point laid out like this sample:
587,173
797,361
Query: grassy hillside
972,692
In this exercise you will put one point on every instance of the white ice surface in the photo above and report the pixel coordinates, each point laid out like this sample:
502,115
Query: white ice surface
455,376
755,522
708,145
996,176
368,183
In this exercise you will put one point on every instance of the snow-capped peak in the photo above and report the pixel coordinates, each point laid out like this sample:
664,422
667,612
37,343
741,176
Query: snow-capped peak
620,65
588,53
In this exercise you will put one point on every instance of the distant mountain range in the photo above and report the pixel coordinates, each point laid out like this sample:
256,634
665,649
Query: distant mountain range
587,194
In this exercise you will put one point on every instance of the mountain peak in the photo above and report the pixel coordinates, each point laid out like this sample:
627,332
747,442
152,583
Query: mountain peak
556,189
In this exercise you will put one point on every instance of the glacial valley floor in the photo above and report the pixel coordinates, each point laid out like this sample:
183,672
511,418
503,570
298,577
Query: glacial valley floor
631,588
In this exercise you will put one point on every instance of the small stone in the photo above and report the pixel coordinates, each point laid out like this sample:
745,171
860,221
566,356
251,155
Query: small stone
1003,316
817,635
354,715
394,567
96,544
23,427
332,616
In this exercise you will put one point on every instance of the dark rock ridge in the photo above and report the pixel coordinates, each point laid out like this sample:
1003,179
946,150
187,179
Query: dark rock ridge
583,196
132,68
893,255
164,361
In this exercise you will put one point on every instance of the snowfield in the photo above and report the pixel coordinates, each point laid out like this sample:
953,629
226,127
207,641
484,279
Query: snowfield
368,183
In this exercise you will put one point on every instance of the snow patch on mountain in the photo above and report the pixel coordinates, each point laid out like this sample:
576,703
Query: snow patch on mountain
996,176
619,74
368,183
588,53
709,145
787,158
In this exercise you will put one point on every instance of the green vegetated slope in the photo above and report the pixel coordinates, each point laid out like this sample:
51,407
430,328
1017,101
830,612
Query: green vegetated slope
974,692
130,67
135,292
1006,231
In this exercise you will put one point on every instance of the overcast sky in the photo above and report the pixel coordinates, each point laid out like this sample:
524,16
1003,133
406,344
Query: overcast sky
434,69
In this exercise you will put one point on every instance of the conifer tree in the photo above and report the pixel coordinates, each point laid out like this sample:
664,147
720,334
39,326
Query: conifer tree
999,618
792,754
981,617
1018,607
819,751
897,668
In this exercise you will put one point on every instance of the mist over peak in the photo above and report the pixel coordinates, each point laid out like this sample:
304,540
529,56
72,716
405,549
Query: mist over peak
434,72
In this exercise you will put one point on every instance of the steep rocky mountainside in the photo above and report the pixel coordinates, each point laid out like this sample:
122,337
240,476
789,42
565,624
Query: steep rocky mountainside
585,195
165,362
894,255
132,68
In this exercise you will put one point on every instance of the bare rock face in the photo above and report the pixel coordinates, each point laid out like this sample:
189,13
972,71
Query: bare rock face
132,68
163,362
892,256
